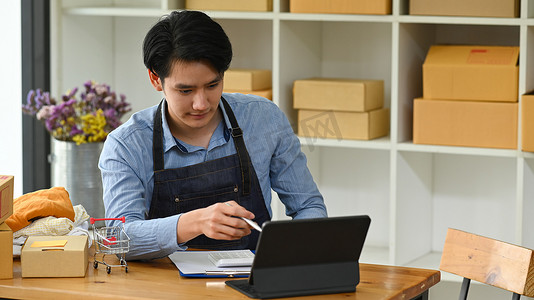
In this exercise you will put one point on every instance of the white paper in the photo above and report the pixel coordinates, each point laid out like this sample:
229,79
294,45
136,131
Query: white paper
197,262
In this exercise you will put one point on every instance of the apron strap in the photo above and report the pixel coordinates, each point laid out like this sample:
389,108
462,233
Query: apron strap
237,135
239,142
157,140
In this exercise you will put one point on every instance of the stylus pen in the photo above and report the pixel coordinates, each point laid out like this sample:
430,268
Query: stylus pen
249,222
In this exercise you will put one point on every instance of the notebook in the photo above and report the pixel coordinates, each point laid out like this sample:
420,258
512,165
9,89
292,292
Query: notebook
306,257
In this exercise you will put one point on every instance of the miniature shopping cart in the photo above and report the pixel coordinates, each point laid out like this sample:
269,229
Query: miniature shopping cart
110,240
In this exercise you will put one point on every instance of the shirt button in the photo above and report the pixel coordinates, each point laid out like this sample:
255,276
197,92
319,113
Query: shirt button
176,199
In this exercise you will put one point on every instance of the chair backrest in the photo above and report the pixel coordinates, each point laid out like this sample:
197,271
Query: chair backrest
489,261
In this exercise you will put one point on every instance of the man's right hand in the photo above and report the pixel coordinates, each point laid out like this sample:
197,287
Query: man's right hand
217,221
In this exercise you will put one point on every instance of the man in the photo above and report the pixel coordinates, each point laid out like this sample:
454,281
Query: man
183,172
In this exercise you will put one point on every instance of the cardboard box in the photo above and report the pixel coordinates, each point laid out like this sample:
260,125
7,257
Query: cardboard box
268,94
247,79
364,7
484,73
465,123
233,5
6,252
338,94
343,125
468,8
69,260
6,196
527,122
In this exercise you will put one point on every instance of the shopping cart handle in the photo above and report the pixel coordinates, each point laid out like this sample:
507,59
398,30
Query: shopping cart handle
93,220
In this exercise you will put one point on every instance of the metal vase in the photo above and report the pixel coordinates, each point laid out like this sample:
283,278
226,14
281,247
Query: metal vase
75,167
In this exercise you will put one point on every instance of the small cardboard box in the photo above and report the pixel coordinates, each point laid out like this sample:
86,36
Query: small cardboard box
6,197
364,7
338,94
232,5
343,125
6,252
268,94
467,8
247,79
53,260
465,123
483,73
527,122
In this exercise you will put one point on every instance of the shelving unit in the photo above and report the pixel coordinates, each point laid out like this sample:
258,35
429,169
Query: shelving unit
413,193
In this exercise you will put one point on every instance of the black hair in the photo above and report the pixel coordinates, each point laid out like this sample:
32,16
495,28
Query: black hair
186,36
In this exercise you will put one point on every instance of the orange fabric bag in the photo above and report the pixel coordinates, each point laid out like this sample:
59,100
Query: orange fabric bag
42,203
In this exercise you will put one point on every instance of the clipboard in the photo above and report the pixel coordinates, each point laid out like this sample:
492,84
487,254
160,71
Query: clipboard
196,264
231,274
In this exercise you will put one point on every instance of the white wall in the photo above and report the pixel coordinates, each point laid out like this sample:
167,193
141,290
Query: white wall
10,95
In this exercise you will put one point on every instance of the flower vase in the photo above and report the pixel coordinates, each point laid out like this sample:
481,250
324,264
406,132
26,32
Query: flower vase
75,167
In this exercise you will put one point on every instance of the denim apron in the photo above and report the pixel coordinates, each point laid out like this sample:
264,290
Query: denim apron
197,186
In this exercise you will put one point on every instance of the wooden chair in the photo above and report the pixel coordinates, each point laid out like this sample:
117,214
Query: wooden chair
489,261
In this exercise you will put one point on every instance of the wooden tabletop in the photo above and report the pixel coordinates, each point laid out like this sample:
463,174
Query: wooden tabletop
159,279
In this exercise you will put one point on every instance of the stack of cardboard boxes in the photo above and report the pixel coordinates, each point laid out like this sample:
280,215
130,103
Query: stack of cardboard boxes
6,235
470,97
249,81
340,108
67,260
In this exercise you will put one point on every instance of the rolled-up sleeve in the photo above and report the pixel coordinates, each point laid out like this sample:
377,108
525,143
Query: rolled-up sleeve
126,191
290,176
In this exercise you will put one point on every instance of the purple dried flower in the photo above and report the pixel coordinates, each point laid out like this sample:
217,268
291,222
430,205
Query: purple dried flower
75,130
101,89
35,100
45,112
64,121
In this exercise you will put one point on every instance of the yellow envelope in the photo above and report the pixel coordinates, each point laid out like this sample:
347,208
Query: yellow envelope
53,243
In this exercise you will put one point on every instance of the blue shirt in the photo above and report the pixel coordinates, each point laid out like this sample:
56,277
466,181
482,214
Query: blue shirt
127,168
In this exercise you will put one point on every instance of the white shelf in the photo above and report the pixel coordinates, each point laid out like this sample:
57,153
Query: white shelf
115,11
412,192
157,12
379,144
241,15
457,150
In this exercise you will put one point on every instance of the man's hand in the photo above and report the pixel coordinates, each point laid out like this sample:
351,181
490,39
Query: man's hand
217,221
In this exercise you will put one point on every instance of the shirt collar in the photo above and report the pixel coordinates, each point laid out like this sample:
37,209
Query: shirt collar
169,141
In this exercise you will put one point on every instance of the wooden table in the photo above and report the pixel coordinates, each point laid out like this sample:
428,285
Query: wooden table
159,279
